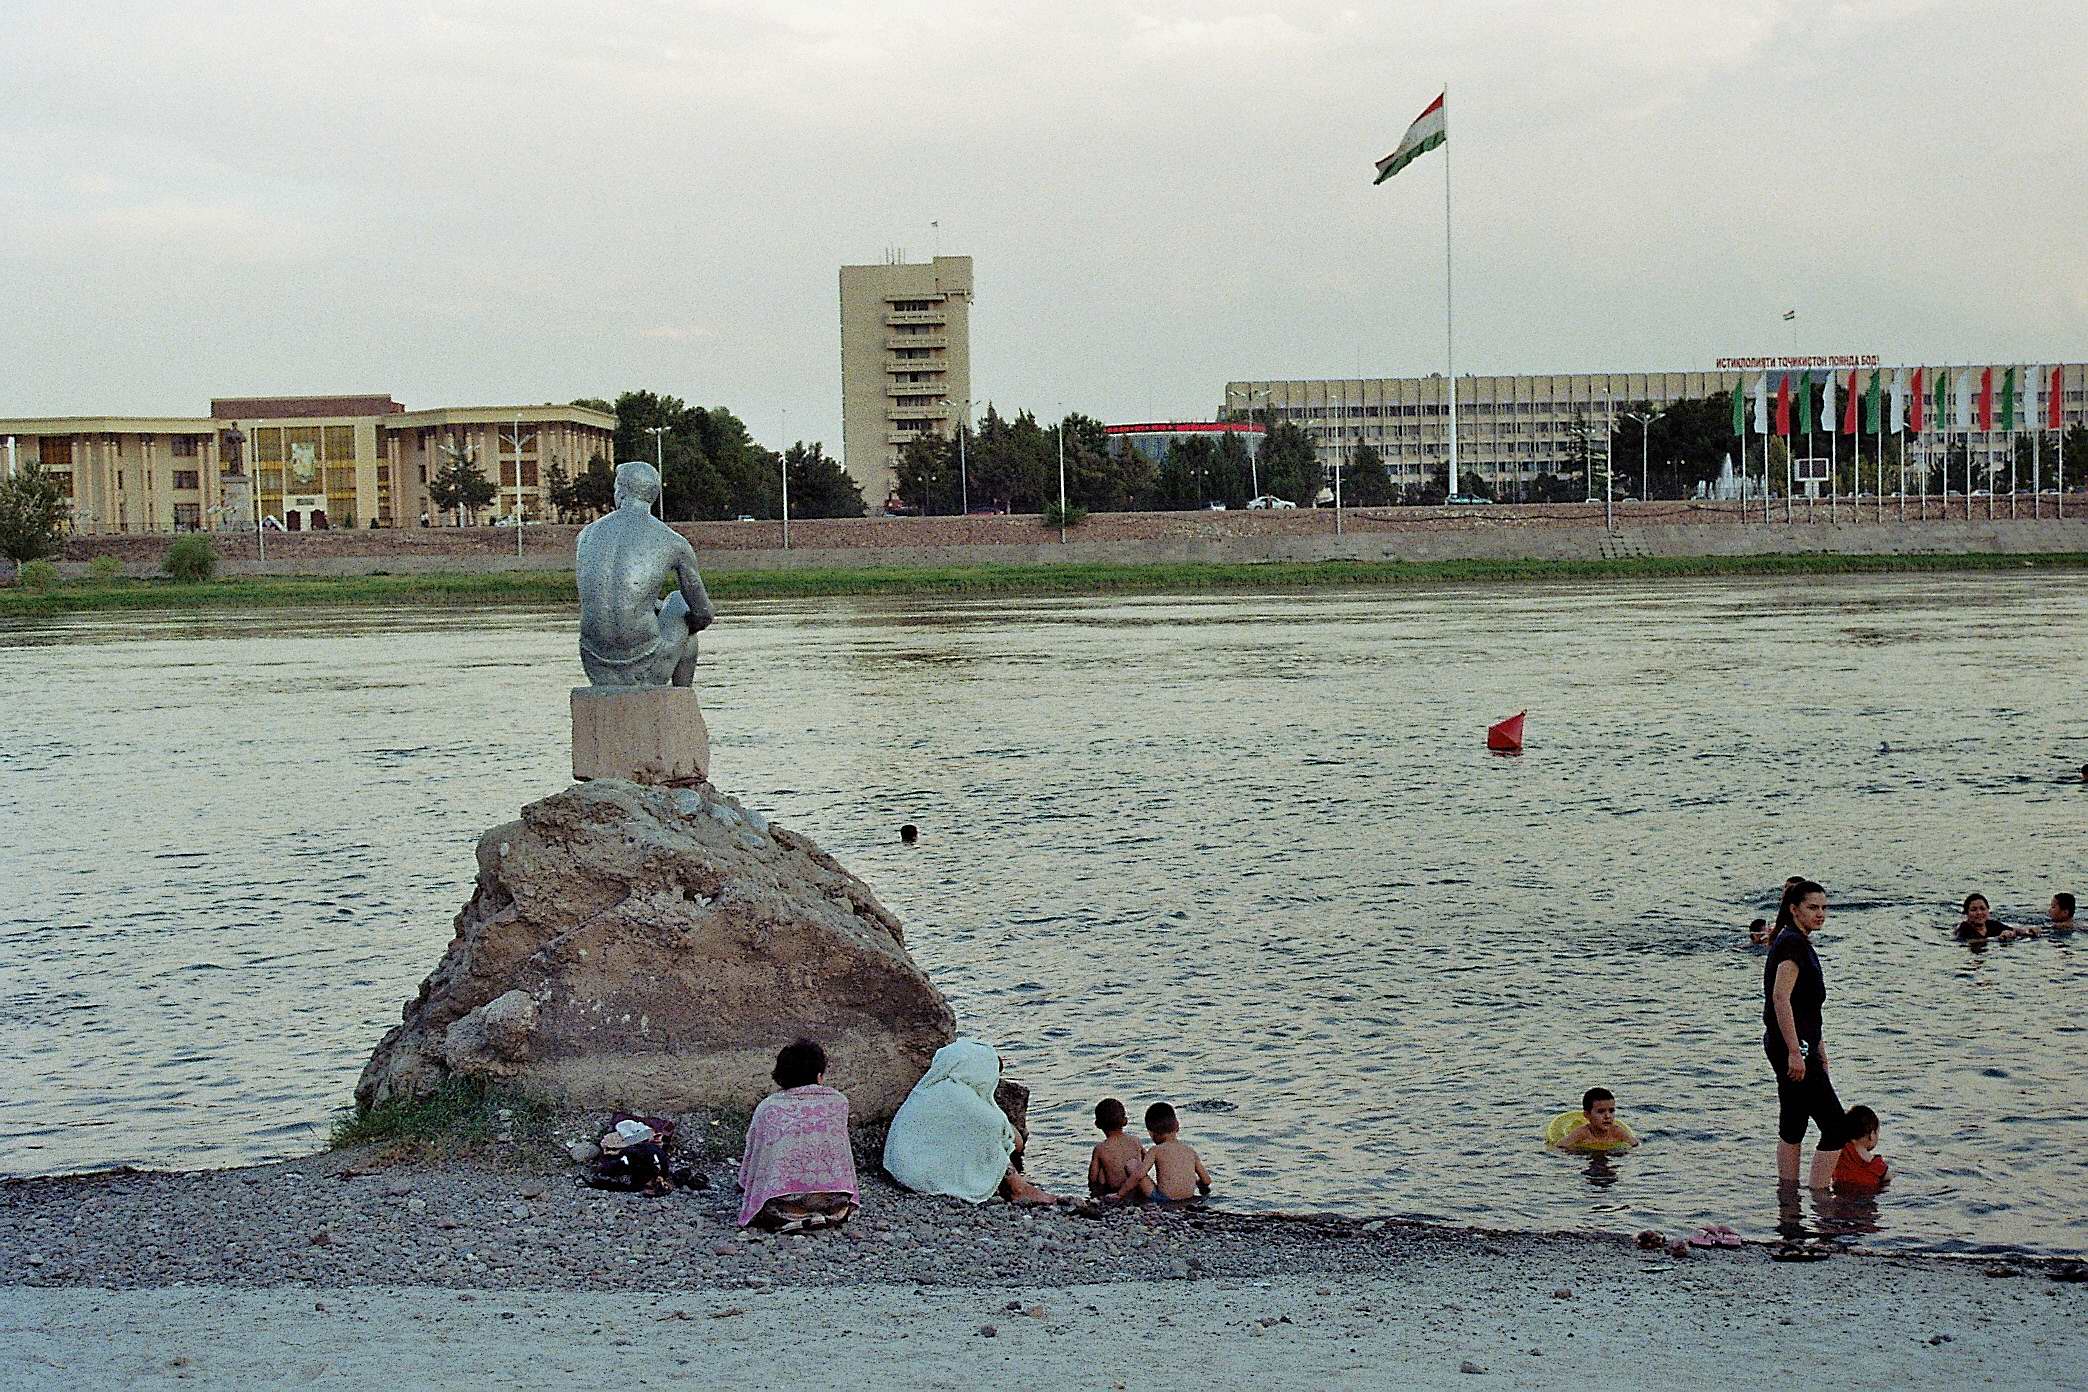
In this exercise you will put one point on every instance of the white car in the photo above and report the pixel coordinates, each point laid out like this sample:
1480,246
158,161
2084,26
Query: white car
1269,502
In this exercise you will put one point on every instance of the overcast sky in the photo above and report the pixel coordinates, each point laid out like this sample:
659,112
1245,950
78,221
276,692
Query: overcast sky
522,201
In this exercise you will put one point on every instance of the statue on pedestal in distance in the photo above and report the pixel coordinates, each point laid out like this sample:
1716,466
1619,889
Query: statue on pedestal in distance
628,635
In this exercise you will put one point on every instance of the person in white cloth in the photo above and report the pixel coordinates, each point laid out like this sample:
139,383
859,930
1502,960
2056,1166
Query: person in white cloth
950,1138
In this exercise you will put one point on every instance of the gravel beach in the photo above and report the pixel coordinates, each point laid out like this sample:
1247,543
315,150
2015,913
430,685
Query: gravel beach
343,1270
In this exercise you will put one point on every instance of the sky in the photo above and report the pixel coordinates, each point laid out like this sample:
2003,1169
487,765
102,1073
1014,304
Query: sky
467,202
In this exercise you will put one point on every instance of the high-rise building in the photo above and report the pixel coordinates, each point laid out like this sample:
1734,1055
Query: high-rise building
905,362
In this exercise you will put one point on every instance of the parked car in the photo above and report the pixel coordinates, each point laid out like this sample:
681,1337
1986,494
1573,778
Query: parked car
1468,500
1214,506
1269,502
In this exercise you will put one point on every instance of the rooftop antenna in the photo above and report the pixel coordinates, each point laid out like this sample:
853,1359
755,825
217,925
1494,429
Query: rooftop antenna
935,236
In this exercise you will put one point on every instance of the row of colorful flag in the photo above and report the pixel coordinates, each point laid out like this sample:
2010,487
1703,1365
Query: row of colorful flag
1928,401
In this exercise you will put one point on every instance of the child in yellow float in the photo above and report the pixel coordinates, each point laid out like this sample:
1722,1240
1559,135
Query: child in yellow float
1593,1127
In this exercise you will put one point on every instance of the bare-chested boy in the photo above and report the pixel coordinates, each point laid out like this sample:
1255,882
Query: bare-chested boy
1112,1161
1169,1172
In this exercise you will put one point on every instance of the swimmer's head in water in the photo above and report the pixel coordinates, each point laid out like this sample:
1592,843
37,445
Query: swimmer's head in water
1804,906
1109,1115
1860,1124
2062,908
1599,1105
909,834
1976,910
1161,1121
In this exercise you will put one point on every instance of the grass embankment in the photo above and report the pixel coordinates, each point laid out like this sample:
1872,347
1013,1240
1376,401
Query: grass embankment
556,587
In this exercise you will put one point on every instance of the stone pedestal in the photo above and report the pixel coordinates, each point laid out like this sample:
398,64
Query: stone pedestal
647,734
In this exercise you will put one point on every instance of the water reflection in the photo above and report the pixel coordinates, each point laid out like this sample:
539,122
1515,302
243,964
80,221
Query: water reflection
1249,850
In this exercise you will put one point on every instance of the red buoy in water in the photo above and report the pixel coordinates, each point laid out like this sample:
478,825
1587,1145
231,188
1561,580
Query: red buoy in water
1506,737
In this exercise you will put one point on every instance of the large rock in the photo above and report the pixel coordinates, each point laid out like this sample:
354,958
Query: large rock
651,948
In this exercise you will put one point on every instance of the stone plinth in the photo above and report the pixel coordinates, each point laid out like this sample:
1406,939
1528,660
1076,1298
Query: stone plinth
647,734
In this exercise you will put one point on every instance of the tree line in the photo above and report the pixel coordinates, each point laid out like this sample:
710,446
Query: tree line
711,469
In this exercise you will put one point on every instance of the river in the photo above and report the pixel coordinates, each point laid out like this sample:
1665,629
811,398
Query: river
1243,853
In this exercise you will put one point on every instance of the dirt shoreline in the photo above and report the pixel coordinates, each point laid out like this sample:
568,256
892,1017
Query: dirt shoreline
505,1274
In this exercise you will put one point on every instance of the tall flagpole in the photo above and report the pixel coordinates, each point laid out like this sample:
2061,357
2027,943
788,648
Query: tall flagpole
1449,322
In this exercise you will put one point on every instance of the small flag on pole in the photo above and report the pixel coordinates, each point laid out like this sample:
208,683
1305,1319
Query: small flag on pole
1874,403
1899,400
1826,404
2008,400
1739,407
1986,398
1789,315
1430,129
1762,404
2053,401
1783,404
1917,418
1849,426
1805,415
2030,398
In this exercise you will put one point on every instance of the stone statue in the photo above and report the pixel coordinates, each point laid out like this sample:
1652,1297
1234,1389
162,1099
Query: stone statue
628,636
233,453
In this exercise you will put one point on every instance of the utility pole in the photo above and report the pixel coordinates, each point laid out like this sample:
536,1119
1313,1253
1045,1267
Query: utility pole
785,459
514,442
1062,474
659,434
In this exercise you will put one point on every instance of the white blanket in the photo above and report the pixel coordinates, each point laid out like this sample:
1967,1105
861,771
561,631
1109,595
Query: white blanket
948,1137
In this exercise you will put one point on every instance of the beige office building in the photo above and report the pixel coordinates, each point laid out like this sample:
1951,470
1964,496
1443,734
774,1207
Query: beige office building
905,362
1514,428
316,462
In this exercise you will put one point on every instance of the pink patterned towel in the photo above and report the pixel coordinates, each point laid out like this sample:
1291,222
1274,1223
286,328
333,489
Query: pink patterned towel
796,1144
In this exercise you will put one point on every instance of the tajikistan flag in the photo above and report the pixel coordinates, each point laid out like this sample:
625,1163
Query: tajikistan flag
1430,129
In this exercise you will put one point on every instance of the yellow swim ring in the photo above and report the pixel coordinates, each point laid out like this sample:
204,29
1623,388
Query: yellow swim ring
1559,1127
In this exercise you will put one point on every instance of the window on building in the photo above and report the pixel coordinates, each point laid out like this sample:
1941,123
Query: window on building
188,516
182,447
340,442
185,478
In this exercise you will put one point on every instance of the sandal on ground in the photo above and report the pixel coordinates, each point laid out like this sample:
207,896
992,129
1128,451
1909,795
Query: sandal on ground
1704,1237
1794,1252
1726,1237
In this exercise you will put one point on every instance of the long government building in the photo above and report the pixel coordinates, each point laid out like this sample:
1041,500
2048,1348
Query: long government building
1513,428
317,461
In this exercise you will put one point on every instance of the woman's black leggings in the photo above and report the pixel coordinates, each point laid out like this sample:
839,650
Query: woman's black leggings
1812,1099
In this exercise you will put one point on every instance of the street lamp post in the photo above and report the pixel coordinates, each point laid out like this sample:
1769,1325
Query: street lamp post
1253,470
1062,474
1645,420
783,461
659,434
516,441
963,474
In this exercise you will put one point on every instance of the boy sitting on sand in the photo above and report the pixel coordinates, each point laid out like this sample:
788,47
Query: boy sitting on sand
1600,1130
1110,1163
1170,1172
1860,1169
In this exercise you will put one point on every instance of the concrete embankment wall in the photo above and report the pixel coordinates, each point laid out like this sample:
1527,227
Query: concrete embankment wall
1506,533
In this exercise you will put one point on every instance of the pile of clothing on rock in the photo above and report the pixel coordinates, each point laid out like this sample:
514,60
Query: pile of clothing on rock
635,1157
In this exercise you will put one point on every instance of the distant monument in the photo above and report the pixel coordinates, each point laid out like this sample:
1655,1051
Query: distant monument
236,488
639,718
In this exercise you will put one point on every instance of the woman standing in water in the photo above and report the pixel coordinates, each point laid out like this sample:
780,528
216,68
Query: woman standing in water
1793,989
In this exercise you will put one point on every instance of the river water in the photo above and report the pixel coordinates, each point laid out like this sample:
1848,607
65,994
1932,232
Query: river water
1242,853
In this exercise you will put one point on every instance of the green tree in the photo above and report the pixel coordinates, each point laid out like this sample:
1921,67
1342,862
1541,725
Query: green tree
1185,474
458,487
558,491
1290,465
1364,482
1232,471
819,486
594,492
926,475
32,515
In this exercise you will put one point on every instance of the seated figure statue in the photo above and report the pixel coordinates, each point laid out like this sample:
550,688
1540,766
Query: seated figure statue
628,635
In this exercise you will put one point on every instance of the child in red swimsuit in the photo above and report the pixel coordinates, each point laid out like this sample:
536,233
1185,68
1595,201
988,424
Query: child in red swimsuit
1860,1169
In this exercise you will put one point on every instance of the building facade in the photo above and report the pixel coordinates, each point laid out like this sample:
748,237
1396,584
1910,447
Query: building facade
303,463
905,362
1510,429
